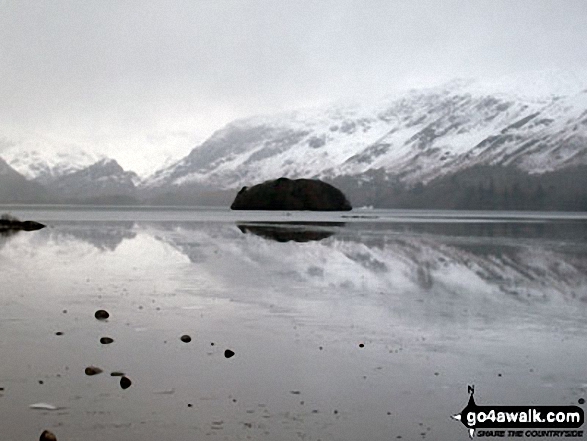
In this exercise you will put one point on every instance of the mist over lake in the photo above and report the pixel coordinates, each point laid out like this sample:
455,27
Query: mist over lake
344,326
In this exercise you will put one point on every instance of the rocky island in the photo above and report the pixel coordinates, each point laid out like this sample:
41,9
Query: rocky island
291,194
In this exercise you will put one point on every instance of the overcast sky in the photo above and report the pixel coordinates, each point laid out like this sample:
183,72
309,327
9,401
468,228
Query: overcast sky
138,80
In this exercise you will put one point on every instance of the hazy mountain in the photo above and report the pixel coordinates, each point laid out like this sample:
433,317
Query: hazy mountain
14,187
49,163
510,144
103,182
414,138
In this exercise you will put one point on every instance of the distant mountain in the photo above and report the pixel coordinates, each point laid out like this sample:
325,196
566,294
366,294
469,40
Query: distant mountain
14,187
510,144
47,164
412,140
103,182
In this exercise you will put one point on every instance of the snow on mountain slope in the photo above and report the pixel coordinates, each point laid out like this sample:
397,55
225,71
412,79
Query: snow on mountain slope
419,136
47,164
103,178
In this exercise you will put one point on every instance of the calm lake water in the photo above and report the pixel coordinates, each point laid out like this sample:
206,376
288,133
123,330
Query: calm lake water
367,325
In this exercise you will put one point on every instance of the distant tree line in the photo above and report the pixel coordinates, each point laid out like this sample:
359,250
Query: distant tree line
475,188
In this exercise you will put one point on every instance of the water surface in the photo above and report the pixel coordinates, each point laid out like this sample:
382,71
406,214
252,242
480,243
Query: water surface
345,326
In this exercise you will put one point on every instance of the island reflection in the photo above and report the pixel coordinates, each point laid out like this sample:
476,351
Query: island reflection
291,231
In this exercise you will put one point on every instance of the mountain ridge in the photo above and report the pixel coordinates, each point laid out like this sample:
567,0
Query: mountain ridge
392,152
419,137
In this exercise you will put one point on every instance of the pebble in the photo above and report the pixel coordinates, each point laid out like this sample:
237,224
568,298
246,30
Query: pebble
117,374
59,333
93,370
125,382
185,338
228,353
47,436
101,314
106,340
43,406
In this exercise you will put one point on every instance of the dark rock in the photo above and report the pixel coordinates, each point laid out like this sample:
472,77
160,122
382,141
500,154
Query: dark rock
101,314
228,353
47,436
93,370
185,338
106,340
117,374
125,382
287,194
8,222
59,333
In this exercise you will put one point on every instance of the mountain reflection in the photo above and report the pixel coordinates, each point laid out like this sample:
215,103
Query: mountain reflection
403,262
528,263
103,236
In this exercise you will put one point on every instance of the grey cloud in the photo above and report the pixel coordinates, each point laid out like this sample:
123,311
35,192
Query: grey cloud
123,70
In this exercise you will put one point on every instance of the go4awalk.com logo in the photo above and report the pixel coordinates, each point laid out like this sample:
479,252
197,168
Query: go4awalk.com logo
521,421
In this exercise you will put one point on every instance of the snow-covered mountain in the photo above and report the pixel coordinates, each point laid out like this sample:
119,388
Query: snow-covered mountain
103,179
14,187
66,175
47,164
417,137
488,144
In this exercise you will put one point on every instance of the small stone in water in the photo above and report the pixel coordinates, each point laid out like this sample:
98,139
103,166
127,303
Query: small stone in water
59,333
47,436
117,374
228,353
93,370
185,338
106,340
125,382
101,314
43,406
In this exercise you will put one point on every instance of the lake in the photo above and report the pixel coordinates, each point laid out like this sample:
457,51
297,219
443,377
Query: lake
364,325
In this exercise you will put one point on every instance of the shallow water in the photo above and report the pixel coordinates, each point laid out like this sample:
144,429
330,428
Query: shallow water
366,325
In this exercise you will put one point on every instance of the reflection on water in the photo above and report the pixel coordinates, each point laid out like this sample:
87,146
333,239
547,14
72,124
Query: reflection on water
291,231
102,236
344,331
